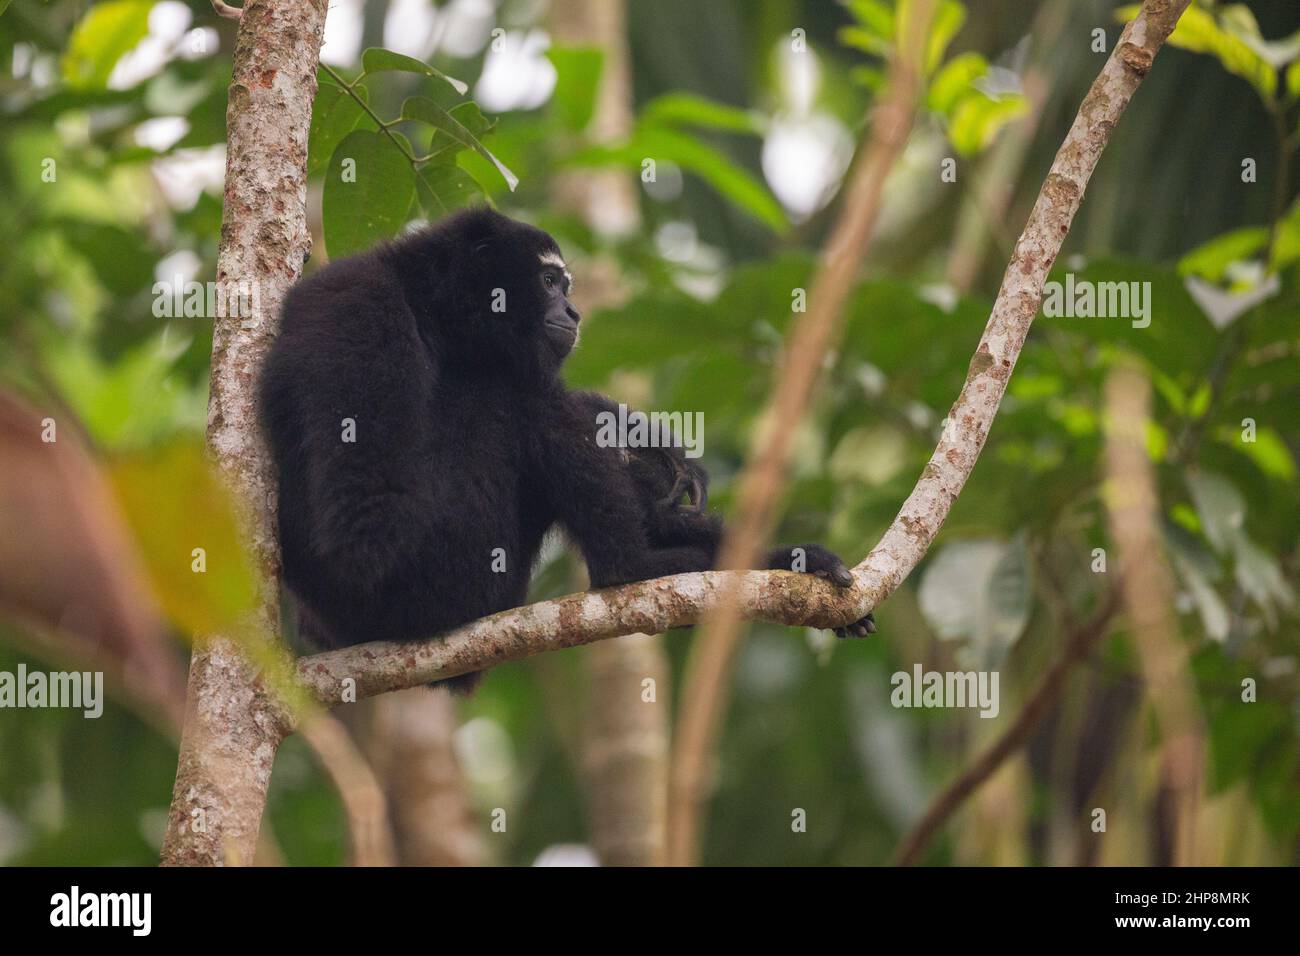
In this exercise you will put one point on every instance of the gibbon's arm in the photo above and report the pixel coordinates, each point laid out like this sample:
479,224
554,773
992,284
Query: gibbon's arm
596,500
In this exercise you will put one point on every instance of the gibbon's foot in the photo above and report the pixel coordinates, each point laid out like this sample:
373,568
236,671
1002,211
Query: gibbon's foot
814,559
858,628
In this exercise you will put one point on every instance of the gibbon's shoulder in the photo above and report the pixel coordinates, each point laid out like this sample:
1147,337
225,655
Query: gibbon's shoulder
358,296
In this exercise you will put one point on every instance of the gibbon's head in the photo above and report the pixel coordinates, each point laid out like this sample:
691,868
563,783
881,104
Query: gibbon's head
500,293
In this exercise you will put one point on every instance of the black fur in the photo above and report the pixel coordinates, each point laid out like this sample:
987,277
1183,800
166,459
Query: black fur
466,441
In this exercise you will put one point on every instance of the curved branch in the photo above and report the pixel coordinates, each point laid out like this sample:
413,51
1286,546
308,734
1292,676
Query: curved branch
782,597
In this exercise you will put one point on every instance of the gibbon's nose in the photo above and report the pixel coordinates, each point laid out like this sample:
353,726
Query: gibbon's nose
572,313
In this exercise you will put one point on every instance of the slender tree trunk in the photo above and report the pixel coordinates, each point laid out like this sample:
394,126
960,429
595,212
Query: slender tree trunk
232,726
409,740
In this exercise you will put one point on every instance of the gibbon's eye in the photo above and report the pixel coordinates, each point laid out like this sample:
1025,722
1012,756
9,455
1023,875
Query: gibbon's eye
548,280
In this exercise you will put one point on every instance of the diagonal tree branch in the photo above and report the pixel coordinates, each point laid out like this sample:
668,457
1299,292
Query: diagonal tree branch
778,596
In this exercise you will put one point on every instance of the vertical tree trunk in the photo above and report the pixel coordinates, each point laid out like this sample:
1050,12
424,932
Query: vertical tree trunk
625,747
410,744
232,726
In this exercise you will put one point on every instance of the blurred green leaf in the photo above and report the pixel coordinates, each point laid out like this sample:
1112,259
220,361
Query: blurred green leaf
948,21
1211,260
955,80
875,15
577,81
658,143
1220,506
107,31
175,504
687,109
976,119
1198,31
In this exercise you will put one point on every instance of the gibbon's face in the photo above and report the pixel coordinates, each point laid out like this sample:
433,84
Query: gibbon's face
559,317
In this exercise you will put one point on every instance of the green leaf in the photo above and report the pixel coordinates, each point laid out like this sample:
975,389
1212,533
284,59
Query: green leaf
425,110
659,143
1211,260
875,15
104,34
864,40
1008,603
334,114
1293,81
378,60
1198,570
948,21
175,504
977,119
1286,247
978,589
1220,506
577,80
954,80
443,148
444,188
121,258
373,201
687,109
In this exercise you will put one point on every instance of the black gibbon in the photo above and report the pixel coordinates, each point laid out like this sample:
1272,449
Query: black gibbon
426,443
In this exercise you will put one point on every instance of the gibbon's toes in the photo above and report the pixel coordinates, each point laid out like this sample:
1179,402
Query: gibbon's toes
857,629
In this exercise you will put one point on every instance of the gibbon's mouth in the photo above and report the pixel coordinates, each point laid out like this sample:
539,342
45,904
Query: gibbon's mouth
569,329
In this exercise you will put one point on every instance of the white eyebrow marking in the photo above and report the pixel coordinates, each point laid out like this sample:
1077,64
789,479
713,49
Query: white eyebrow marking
551,258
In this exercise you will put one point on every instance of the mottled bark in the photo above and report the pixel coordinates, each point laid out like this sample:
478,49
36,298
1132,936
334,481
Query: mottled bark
232,725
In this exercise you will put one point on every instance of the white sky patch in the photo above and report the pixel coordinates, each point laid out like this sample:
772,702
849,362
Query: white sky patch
199,43
187,173
464,27
343,25
409,27
800,78
518,76
168,21
183,262
804,159
162,132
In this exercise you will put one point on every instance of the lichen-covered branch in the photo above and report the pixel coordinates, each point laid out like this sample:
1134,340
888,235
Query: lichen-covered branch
783,597
232,724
